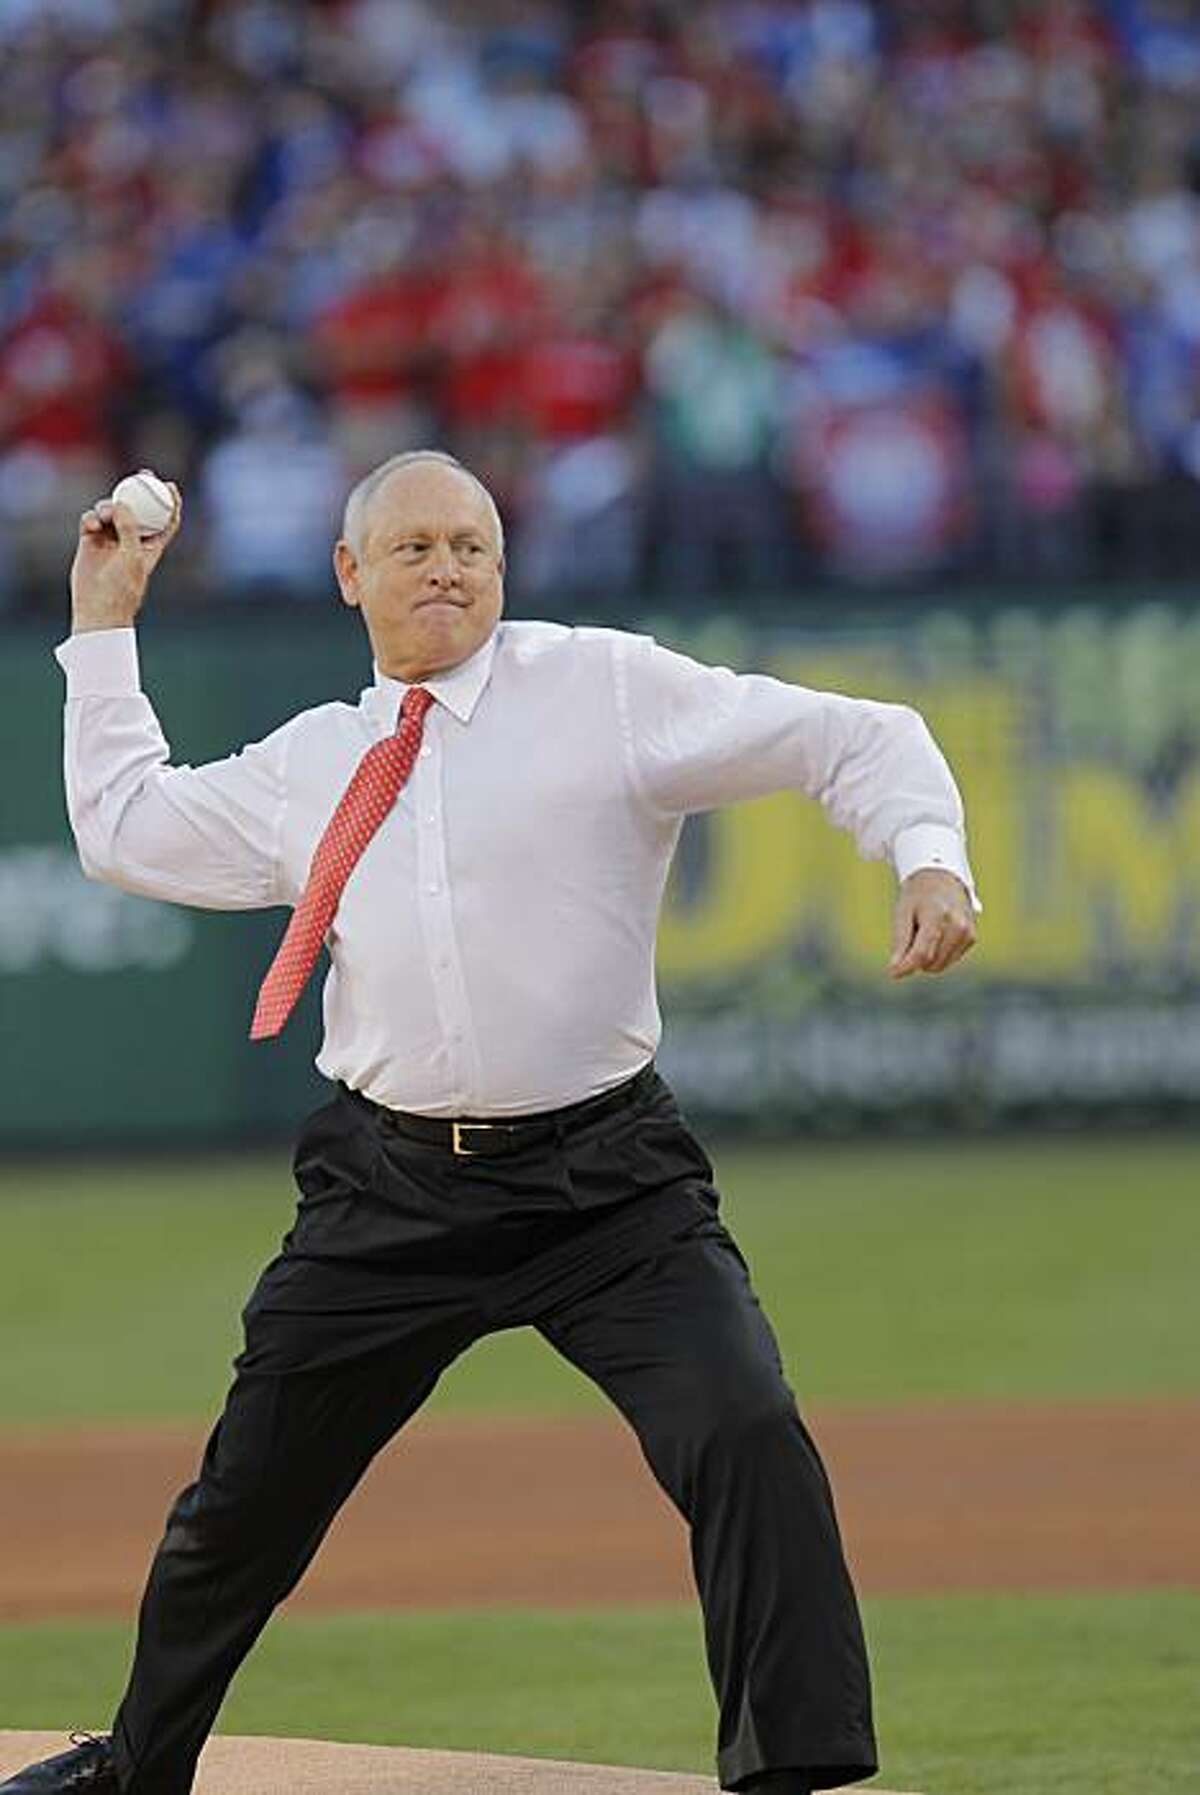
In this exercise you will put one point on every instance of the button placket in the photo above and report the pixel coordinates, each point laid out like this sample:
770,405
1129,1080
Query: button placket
437,924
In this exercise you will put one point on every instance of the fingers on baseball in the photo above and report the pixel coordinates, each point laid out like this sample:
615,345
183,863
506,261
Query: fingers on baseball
176,515
155,546
97,521
126,526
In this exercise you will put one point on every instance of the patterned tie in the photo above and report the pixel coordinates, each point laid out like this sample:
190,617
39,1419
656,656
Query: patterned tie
365,802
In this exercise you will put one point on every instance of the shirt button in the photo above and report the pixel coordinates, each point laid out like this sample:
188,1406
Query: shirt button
426,751
432,817
433,890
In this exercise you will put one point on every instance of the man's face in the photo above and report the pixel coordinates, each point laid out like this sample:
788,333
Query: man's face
428,577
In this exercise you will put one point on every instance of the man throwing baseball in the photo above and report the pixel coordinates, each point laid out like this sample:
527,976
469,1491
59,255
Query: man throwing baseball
482,843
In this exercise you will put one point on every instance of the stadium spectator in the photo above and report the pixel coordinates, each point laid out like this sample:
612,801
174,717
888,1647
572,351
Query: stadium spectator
372,351
272,483
869,288
580,522
714,391
63,371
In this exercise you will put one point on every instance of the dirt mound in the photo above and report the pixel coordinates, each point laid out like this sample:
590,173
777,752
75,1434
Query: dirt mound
305,1766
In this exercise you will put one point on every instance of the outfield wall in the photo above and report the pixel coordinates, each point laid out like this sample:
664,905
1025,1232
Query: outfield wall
1074,736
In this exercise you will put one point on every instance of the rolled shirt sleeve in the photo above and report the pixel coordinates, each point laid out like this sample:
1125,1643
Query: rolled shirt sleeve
701,736
205,835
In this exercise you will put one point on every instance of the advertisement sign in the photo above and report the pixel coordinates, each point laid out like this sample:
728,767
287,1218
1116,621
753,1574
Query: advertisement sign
1076,741
1075,737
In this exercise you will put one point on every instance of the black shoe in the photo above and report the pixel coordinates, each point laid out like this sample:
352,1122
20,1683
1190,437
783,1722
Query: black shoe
86,1768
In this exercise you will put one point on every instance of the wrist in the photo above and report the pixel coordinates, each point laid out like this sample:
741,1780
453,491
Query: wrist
102,616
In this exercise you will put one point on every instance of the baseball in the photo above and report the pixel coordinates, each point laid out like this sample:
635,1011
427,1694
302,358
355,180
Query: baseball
149,498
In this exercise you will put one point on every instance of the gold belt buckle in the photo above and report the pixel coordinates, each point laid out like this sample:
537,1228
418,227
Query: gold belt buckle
456,1140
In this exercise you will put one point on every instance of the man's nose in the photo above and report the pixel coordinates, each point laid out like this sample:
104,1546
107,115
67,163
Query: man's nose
443,567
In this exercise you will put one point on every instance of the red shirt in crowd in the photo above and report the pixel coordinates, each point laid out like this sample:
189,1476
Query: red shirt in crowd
61,370
489,313
575,385
373,344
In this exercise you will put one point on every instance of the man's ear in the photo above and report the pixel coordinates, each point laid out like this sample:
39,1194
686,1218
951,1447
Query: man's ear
345,566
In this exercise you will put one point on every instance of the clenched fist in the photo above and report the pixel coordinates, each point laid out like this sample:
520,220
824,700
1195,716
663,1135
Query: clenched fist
113,564
934,923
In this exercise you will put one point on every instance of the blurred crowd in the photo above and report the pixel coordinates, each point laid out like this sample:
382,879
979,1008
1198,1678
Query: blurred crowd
718,295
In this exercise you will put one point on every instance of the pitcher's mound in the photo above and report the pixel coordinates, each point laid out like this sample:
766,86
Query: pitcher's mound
306,1766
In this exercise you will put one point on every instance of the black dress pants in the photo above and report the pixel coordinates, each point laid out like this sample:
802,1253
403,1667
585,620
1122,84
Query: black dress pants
605,1237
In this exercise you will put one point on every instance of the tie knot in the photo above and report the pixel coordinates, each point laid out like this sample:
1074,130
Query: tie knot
414,704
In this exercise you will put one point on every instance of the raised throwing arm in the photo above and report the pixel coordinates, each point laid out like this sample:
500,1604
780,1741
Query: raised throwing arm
195,835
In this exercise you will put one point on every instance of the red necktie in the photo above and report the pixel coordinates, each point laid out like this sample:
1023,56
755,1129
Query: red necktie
363,805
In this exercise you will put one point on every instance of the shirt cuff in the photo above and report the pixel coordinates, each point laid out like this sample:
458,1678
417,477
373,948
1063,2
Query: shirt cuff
101,663
933,845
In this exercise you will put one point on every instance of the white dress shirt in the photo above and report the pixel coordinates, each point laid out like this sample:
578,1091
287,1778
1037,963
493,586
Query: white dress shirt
493,950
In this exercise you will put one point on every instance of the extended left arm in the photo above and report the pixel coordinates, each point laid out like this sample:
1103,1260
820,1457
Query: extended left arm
702,736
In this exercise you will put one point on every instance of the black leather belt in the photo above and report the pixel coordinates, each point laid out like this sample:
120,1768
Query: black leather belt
469,1138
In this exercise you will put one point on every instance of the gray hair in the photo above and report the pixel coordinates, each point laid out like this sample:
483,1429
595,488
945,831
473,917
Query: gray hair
354,518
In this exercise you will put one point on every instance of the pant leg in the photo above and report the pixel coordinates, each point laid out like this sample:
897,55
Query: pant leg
401,1256
284,1457
342,1344
682,1347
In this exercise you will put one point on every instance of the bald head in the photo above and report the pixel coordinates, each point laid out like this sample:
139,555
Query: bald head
356,519
422,558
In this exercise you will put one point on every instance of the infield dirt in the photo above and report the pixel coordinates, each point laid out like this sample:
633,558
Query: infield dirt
233,1766
931,1498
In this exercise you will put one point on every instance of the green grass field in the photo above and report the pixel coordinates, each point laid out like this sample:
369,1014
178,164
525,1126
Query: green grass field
1036,1695
1023,1269
1047,1268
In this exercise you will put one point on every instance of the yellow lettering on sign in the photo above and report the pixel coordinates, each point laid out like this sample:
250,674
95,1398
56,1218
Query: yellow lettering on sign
753,895
1074,862
1132,868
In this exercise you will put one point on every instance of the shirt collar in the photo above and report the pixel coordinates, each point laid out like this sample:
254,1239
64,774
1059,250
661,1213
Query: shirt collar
458,688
